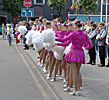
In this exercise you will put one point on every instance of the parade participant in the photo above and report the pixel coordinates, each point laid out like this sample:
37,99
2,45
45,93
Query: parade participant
3,32
69,84
76,55
40,29
101,37
48,26
41,26
55,28
92,52
17,33
22,29
37,25
59,33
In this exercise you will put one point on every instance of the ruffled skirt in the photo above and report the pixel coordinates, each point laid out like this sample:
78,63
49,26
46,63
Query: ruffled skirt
75,55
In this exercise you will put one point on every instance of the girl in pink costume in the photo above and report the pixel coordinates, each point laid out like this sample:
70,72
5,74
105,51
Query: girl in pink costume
76,55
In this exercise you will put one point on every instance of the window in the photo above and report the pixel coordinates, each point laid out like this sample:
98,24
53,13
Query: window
39,2
104,1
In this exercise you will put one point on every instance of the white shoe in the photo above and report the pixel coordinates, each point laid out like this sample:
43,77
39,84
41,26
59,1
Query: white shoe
38,63
53,80
65,86
38,59
60,78
76,94
57,75
68,90
45,71
48,74
81,88
41,65
64,81
48,77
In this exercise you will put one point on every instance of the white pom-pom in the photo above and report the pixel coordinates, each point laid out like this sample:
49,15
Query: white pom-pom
29,37
19,37
37,34
48,36
38,43
22,29
67,50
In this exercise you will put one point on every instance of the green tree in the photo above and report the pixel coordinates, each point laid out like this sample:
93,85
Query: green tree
12,6
87,5
58,5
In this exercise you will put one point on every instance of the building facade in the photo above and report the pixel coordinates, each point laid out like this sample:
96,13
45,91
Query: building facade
41,8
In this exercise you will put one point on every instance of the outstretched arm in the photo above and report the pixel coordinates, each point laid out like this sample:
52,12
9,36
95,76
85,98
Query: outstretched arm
69,37
64,44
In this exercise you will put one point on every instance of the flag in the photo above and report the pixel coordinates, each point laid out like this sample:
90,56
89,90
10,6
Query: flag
73,6
78,7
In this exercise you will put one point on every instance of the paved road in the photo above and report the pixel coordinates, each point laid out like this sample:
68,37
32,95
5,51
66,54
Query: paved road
18,78
95,82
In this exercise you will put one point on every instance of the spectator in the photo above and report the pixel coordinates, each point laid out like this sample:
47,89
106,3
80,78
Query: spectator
9,32
3,31
92,52
101,44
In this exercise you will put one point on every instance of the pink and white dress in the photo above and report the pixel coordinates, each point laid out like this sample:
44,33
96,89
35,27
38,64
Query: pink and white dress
78,39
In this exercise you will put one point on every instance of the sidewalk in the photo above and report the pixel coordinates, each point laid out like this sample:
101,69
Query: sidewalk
95,82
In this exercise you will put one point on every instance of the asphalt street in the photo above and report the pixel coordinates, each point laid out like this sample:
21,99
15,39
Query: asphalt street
18,78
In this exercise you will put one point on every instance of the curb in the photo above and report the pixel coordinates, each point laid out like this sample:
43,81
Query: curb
51,86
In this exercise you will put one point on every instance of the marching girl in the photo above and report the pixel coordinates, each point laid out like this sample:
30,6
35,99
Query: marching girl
40,29
55,29
17,33
69,82
50,53
59,58
76,55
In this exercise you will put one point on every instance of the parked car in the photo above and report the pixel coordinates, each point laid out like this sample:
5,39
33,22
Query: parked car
0,29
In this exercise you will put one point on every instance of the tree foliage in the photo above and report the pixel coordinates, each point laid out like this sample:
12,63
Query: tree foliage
58,5
87,5
12,6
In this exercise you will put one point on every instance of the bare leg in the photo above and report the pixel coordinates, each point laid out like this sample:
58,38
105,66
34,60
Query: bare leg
63,64
56,68
60,68
41,54
79,75
75,76
52,66
47,63
44,56
70,78
50,60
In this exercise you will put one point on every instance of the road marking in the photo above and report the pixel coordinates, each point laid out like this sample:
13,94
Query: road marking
33,76
34,66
